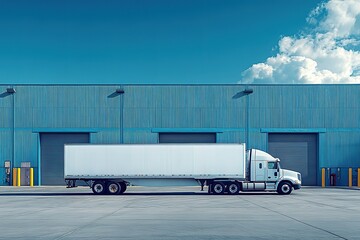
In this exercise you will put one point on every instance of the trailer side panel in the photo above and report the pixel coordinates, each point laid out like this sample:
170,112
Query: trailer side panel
198,161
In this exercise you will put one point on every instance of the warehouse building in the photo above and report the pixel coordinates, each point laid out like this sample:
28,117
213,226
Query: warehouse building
309,127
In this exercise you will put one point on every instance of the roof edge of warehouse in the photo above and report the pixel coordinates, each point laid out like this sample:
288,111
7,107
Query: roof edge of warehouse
163,84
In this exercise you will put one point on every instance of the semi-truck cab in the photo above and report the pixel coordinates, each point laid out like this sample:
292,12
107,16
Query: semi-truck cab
265,173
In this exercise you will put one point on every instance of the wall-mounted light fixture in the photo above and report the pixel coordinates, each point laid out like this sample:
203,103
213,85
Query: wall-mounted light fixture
248,91
11,90
120,91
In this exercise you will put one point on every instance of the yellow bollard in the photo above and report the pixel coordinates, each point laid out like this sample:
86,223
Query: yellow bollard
14,177
350,177
323,177
18,177
31,177
359,177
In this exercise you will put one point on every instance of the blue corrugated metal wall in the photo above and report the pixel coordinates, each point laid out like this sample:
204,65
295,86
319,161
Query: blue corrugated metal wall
143,110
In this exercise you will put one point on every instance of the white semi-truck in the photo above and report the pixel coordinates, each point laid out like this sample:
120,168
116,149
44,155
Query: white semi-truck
224,168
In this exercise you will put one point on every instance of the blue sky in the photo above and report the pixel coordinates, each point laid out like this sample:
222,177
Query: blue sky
143,42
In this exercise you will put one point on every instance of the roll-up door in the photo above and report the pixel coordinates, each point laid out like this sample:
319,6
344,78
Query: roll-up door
52,155
187,137
297,152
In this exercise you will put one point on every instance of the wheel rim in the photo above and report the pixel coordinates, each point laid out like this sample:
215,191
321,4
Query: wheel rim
285,188
113,188
98,188
218,188
233,188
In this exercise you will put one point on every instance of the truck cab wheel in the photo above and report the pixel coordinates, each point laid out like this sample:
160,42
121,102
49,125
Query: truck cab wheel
233,188
284,188
98,187
113,188
218,188
122,187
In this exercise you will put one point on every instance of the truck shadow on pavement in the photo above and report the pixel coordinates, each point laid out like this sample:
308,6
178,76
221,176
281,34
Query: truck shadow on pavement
134,194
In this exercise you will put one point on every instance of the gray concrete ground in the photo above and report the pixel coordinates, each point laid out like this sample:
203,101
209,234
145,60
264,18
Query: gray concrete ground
177,213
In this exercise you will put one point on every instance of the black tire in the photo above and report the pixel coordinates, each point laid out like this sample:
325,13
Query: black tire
98,187
113,188
233,188
284,188
123,187
218,188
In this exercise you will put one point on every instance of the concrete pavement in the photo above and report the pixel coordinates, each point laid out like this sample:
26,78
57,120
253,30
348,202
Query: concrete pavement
177,213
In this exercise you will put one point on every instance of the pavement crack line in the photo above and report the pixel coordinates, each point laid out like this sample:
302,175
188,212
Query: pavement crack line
297,220
324,204
91,222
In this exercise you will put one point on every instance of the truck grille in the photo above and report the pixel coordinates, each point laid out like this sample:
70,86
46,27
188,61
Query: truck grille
299,176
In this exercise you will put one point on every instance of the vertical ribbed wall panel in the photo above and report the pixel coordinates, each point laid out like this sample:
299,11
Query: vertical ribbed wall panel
343,149
183,107
67,107
26,148
6,117
304,106
6,153
6,108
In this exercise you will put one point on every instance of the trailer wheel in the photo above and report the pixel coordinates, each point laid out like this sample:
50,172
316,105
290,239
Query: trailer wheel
113,188
218,188
284,188
233,188
98,187
122,187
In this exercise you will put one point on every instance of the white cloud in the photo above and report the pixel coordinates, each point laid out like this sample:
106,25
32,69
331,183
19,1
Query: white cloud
342,17
325,55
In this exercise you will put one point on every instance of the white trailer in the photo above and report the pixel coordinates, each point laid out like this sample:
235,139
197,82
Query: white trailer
225,168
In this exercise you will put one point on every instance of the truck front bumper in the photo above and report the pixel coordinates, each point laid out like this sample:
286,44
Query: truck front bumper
297,186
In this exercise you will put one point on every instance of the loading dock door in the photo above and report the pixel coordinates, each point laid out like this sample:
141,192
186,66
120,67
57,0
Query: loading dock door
187,137
297,152
52,155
